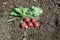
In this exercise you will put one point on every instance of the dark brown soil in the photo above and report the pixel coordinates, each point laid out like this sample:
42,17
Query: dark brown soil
50,21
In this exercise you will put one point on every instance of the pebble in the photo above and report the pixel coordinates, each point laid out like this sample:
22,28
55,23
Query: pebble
8,37
34,0
25,34
24,38
27,3
5,3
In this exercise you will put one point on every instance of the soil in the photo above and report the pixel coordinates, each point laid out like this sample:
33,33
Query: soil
50,21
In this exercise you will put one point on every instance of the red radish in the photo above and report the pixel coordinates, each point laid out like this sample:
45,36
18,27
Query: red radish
23,25
33,20
37,25
27,19
30,24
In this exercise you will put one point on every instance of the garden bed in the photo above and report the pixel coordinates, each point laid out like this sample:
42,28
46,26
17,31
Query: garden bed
50,21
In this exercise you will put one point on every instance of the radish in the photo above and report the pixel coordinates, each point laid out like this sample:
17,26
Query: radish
30,25
23,25
37,24
33,20
27,19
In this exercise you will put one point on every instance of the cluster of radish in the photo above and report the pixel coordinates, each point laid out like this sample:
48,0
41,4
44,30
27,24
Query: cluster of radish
29,16
29,23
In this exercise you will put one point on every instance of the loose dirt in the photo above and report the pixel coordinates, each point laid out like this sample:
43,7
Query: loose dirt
50,21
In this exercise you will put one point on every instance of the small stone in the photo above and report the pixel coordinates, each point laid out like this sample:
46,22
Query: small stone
24,38
5,3
34,0
2,5
27,3
25,34
12,33
9,37
10,1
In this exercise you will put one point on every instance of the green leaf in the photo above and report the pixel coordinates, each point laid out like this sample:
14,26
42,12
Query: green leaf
25,10
19,10
13,14
40,11
37,10
32,12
